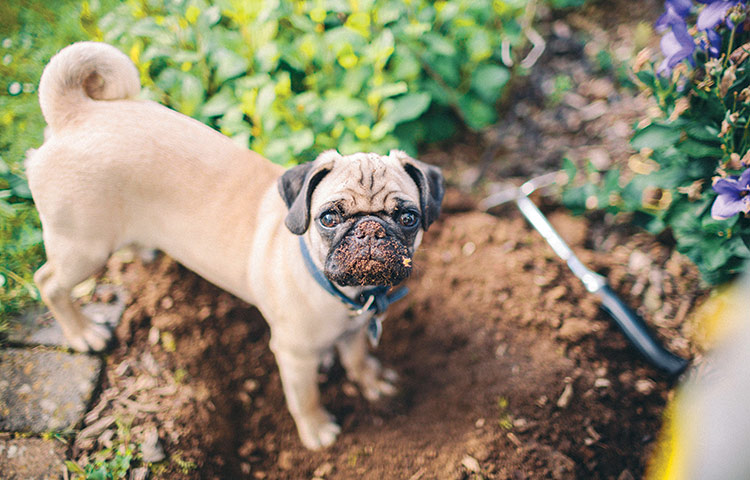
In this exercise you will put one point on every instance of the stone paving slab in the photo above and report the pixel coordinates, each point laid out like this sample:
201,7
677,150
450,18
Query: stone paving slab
31,459
38,327
45,390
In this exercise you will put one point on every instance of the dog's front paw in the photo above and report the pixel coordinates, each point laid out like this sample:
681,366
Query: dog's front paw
375,381
317,430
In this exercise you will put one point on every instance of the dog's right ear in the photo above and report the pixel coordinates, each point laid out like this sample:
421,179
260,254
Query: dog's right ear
296,187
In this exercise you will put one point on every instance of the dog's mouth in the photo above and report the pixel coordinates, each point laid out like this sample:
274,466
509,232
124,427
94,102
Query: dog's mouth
368,259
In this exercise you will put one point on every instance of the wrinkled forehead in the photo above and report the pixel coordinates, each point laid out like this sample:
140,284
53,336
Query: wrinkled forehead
366,182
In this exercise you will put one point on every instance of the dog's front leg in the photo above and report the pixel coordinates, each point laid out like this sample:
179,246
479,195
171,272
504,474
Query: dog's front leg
363,368
299,378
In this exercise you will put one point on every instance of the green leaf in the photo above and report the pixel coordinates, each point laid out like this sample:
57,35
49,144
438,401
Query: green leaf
438,126
405,64
191,94
74,468
440,94
438,44
407,107
575,198
19,186
381,129
700,131
712,226
569,168
476,113
697,149
448,69
391,89
479,45
98,474
228,64
716,252
219,103
609,185
340,104
655,136
301,140
647,77
488,81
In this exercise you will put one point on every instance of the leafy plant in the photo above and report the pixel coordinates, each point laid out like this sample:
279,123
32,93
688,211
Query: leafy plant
20,253
686,174
31,32
111,463
286,78
110,469
290,79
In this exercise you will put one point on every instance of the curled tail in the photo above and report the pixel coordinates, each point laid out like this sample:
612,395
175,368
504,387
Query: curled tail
82,73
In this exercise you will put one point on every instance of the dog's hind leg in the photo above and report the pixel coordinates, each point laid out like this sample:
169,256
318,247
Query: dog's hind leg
66,268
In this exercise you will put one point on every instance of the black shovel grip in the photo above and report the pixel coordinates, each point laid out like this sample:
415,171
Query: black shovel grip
637,332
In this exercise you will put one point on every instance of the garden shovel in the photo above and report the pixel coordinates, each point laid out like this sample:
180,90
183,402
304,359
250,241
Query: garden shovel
629,322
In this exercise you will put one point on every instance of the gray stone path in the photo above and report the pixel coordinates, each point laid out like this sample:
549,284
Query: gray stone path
45,388
31,459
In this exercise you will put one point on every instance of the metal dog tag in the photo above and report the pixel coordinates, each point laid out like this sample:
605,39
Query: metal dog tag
375,330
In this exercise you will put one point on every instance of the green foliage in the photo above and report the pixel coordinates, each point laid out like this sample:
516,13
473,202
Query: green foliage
111,469
20,253
292,78
286,78
30,33
185,466
111,463
701,135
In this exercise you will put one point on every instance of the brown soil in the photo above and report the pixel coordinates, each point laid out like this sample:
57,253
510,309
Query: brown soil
508,368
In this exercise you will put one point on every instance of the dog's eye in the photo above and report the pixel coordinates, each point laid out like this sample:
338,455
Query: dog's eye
408,219
330,219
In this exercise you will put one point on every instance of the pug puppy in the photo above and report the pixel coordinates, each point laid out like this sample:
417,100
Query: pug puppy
315,247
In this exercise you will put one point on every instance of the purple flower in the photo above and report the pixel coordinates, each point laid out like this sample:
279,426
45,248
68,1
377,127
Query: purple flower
713,13
675,11
714,43
676,46
733,196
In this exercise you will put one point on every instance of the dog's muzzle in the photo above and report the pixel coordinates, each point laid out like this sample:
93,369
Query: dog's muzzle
368,255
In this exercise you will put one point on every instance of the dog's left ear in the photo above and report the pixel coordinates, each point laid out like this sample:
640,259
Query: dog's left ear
296,187
429,180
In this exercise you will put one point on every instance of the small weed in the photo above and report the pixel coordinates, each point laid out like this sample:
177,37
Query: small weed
561,85
113,468
505,419
186,466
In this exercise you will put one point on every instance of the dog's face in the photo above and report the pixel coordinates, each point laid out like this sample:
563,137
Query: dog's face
365,213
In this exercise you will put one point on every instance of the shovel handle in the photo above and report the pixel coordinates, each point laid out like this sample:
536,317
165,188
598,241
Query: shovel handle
637,332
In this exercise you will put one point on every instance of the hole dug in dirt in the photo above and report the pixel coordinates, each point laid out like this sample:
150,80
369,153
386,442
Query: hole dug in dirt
507,370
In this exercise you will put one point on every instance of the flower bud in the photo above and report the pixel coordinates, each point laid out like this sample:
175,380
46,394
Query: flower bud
737,15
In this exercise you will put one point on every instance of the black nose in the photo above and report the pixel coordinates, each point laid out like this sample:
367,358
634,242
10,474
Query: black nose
369,229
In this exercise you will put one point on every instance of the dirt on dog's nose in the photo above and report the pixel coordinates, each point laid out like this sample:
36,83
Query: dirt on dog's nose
369,229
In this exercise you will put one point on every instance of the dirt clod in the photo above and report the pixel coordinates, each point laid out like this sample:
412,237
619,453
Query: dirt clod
471,464
574,329
151,449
